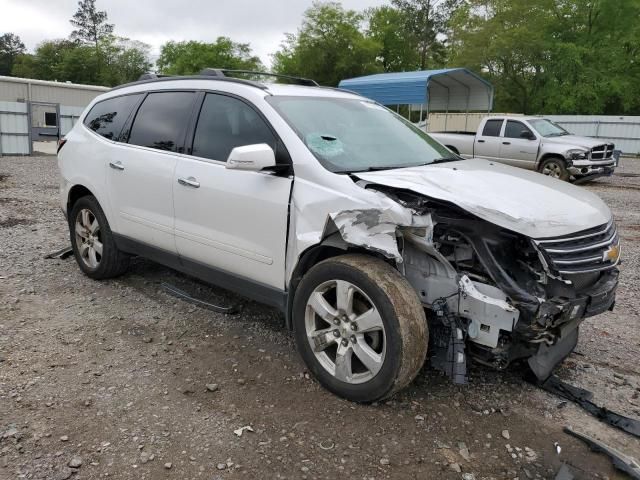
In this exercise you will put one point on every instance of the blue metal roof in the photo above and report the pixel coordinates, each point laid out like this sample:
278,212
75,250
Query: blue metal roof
448,88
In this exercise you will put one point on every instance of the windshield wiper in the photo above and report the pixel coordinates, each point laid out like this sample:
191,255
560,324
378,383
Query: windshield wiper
377,168
444,160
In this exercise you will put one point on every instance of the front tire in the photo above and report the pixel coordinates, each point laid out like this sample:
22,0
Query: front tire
360,327
555,167
92,241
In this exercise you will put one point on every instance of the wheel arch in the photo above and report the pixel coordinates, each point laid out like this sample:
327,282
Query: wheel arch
75,193
547,156
332,246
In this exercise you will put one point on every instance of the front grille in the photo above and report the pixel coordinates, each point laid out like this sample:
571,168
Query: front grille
591,250
602,152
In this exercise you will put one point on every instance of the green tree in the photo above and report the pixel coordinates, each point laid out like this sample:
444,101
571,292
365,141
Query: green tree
398,47
10,48
90,24
427,22
553,56
328,47
188,58
120,61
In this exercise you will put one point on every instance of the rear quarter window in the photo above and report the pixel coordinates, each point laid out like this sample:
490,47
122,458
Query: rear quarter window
107,117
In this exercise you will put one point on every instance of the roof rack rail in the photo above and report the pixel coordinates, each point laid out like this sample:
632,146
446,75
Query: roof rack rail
151,76
221,72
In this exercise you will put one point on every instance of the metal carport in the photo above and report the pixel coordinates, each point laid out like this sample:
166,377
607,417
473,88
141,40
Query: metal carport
448,89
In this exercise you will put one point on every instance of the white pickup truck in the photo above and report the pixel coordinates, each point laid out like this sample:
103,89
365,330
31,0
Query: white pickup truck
536,144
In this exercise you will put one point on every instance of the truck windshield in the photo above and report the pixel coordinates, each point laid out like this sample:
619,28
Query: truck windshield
547,128
355,135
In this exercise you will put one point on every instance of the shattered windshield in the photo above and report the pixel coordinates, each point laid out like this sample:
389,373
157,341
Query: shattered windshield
547,128
355,135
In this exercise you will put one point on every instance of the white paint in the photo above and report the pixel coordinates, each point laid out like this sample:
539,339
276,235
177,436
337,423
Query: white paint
237,220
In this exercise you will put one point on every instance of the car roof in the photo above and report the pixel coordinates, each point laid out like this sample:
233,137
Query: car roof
513,117
228,84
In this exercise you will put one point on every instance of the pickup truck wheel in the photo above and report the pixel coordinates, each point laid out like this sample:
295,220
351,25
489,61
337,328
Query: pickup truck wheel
555,167
92,241
360,327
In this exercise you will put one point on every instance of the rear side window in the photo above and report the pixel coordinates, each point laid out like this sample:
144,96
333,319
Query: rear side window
492,128
107,118
225,123
161,120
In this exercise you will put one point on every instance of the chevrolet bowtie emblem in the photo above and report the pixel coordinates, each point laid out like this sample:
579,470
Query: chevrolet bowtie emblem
611,254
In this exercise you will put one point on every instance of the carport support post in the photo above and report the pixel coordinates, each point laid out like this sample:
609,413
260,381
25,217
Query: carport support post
58,121
29,124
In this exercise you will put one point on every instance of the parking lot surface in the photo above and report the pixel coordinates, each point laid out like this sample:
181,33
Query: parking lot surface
118,379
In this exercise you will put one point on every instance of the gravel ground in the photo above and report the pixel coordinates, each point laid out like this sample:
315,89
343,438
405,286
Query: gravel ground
109,379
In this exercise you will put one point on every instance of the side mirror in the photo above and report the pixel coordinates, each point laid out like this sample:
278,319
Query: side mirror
527,134
251,157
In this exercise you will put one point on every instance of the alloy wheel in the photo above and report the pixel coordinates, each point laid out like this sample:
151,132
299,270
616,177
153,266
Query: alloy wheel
552,169
345,331
88,238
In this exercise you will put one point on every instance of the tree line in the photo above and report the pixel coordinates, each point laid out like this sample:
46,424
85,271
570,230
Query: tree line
543,56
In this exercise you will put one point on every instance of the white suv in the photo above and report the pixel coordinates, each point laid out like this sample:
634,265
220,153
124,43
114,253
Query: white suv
376,242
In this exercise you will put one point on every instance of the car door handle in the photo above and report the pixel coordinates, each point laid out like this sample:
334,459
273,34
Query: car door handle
117,165
506,143
189,182
480,141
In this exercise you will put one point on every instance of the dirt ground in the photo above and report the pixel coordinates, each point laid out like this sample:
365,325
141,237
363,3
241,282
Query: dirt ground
110,378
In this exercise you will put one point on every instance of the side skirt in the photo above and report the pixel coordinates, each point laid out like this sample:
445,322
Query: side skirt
220,278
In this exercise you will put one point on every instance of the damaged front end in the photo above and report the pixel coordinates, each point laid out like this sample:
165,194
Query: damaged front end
491,294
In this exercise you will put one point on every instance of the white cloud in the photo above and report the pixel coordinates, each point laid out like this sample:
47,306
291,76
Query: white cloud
260,23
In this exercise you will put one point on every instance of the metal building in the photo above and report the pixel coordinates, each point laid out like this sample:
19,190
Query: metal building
38,110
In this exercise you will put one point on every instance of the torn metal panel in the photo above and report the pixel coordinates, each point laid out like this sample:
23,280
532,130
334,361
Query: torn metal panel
488,311
314,208
376,229
622,462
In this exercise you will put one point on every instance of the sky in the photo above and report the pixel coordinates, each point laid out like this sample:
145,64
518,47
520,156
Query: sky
262,23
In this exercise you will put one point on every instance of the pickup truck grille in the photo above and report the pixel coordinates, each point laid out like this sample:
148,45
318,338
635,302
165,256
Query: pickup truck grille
590,250
602,152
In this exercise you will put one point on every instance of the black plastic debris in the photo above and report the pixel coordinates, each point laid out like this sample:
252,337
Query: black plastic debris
583,398
176,292
61,254
621,461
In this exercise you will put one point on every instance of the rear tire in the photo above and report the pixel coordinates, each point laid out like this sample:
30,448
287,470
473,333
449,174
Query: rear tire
555,167
92,241
360,327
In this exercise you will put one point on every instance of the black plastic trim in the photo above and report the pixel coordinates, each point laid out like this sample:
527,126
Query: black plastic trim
241,285
193,77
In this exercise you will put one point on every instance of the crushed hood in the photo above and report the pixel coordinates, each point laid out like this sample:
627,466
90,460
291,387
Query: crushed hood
519,200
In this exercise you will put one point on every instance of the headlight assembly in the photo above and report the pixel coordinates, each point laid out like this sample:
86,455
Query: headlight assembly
577,154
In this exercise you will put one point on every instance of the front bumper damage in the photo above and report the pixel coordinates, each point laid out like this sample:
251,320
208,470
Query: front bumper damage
567,315
489,293
510,314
